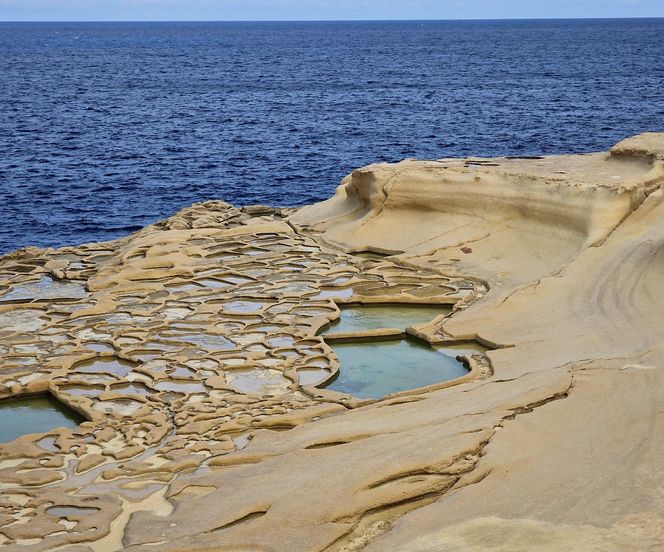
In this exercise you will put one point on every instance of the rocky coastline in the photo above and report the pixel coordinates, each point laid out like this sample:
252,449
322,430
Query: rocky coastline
195,355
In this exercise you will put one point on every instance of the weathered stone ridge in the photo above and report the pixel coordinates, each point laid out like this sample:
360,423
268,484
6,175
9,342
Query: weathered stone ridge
181,345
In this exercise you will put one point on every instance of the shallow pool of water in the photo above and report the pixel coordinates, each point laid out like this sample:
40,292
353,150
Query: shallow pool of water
210,342
213,283
312,376
258,380
358,318
375,369
82,390
99,347
45,288
337,293
130,389
36,414
244,306
105,365
66,511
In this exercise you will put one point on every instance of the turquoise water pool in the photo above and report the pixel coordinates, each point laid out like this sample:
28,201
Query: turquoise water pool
34,414
357,318
375,369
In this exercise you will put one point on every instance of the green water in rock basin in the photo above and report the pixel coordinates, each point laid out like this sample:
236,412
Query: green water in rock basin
358,318
375,369
35,414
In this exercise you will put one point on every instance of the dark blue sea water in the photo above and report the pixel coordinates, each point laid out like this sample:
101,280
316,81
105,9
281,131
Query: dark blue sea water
105,128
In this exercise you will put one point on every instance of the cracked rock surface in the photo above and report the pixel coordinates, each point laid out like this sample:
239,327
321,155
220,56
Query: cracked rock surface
181,346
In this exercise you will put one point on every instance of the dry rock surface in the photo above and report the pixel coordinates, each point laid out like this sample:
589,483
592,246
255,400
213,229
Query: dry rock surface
183,346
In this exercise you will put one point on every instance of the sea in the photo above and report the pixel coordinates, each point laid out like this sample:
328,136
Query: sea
108,127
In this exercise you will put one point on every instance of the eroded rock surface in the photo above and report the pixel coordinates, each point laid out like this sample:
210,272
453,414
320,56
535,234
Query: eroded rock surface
181,345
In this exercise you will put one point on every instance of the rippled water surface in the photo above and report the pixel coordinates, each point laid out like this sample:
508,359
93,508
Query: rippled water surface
107,127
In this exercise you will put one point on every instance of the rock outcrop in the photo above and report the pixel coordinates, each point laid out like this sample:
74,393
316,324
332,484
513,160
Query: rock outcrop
554,441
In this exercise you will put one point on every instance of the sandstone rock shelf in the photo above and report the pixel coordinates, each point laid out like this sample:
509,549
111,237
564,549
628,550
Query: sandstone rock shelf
182,346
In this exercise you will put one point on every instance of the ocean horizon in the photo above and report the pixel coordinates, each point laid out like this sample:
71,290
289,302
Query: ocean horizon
213,21
109,126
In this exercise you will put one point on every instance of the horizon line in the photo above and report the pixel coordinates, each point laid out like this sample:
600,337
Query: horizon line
433,20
